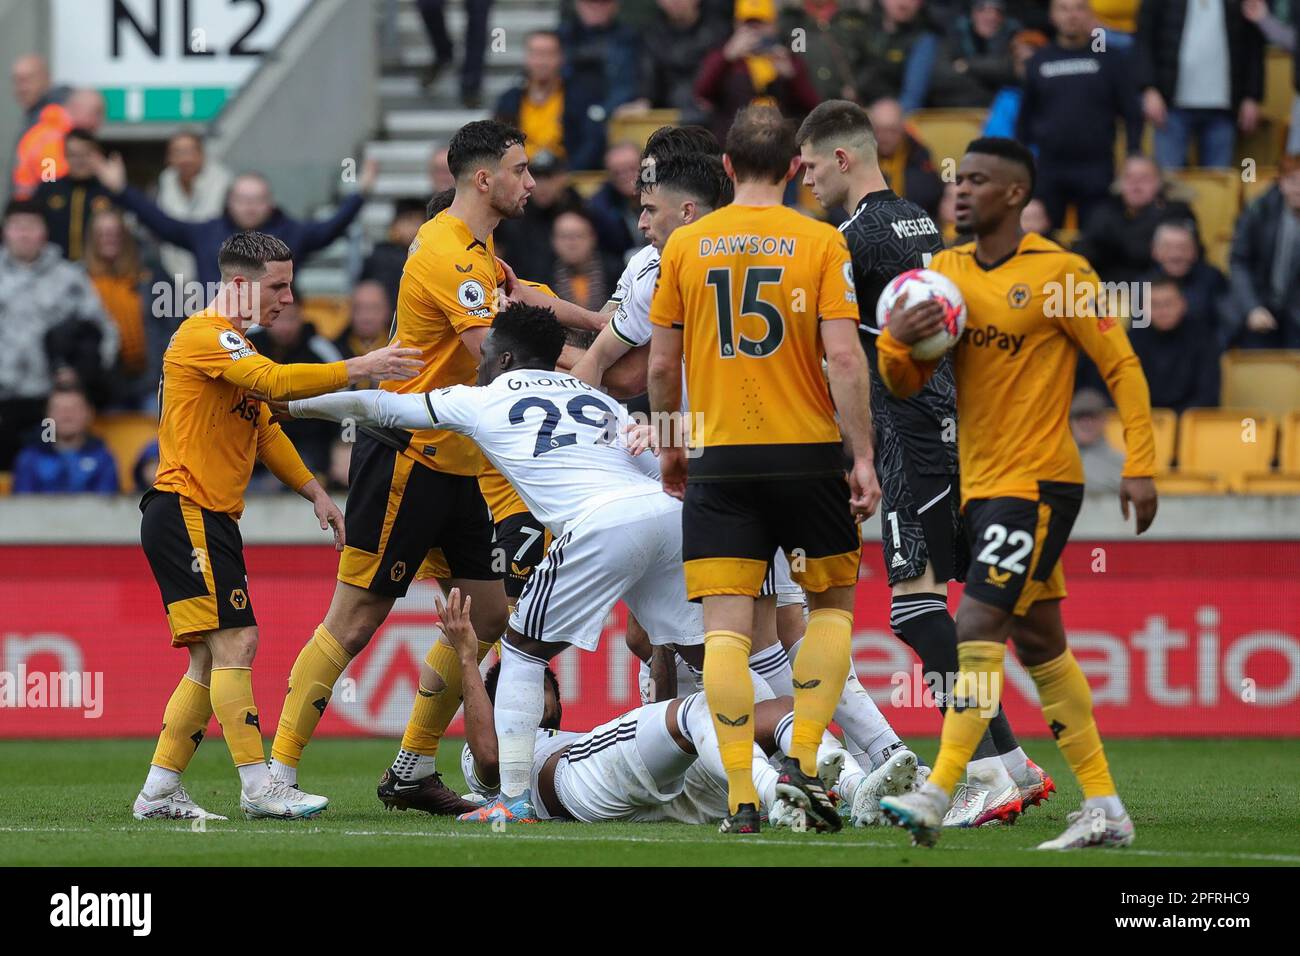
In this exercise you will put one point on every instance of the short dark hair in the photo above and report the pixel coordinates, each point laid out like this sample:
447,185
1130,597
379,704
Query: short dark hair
675,140
187,134
84,136
24,207
439,202
1010,150
478,143
700,177
531,332
760,144
837,120
249,252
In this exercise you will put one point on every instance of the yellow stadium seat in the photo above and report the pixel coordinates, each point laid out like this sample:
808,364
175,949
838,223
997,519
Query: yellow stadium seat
587,183
6,482
1261,378
1265,177
1165,423
637,127
126,434
1226,443
1279,86
1269,483
946,133
328,313
1215,197
1176,483
1289,458
1286,479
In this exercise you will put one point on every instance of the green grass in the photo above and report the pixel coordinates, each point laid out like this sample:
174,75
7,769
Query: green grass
1194,802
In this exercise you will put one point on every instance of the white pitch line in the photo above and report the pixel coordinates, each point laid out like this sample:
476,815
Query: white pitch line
217,827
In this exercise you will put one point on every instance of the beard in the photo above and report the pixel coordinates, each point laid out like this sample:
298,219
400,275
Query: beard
504,211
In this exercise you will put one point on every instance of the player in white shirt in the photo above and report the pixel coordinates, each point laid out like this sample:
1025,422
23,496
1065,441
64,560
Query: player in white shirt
563,446
657,762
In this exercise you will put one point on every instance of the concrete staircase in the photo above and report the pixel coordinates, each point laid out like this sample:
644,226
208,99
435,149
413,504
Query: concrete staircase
414,123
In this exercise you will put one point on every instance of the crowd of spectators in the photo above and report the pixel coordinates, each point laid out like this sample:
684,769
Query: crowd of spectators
83,327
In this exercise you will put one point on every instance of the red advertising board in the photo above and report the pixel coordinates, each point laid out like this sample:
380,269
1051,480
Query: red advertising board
1195,638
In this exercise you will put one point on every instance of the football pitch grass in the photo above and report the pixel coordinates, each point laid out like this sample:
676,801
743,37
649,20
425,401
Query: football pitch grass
67,803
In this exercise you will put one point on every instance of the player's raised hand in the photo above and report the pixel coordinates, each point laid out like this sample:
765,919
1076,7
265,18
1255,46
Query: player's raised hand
912,323
392,362
672,470
1142,493
456,622
330,517
864,489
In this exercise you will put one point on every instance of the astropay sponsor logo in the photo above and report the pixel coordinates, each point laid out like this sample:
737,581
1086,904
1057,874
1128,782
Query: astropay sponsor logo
76,909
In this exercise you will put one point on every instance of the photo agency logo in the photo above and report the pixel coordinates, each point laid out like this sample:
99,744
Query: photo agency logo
76,909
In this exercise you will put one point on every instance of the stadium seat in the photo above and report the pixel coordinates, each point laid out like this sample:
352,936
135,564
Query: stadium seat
126,434
586,183
1265,177
1279,86
946,133
329,313
1225,443
1215,197
1176,483
1261,378
1286,479
6,482
637,127
1165,423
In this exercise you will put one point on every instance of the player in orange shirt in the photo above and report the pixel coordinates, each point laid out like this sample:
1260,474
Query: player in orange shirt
754,295
212,428
1030,306
414,501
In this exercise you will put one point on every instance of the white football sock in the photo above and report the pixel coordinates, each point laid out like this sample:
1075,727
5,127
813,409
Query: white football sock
253,778
408,765
988,772
160,782
282,771
1112,805
520,704
773,665
1017,764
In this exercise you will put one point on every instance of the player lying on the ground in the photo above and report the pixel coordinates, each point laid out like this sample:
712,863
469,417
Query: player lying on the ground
657,762
561,444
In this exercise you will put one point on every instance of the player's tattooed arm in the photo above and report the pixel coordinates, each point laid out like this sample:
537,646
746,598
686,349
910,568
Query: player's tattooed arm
480,728
663,671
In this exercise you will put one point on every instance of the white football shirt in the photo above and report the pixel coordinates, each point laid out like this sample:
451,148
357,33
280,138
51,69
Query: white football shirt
558,441
635,289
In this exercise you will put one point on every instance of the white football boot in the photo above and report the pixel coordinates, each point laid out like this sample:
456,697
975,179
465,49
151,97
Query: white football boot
920,812
176,805
782,814
282,801
987,797
1092,827
896,775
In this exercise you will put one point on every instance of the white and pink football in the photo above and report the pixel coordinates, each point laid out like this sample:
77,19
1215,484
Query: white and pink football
915,285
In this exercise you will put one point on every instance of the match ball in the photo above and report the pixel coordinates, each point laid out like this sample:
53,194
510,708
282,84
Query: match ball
914,286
